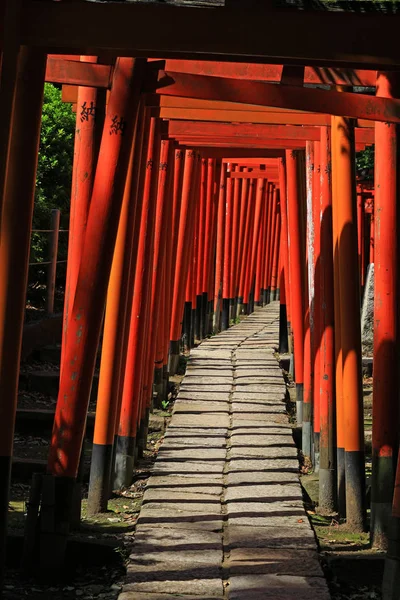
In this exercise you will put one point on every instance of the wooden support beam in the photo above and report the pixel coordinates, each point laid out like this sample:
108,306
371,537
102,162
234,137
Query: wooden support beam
242,116
76,73
241,142
272,73
281,96
255,174
257,132
243,130
240,153
150,29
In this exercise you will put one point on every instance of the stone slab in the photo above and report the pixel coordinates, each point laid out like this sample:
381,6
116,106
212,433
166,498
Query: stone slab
261,477
209,420
284,440
239,409
204,395
253,426
265,395
180,467
194,378
200,587
205,387
241,537
189,454
263,452
274,561
259,491
183,506
200,407
187,483
167,496
172,519
281,587
260,464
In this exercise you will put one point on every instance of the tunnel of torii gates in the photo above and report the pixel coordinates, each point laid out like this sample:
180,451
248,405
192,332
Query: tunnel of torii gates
201,189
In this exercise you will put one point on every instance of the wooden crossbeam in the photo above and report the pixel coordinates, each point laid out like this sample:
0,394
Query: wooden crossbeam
76,73
237,33
257,173
240,142
255,132
271,73
239,153
241,116
281,96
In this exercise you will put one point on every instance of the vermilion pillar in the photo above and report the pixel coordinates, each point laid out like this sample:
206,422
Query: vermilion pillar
309,340
270,235
324,329
16,223
113,355
275,253
136,357
219,256
340,428
236,198
258,289
296,264
155,317
284,311
227,251
186,225
316,329
344,199
360,232
385,408
201,241
209,242
84,166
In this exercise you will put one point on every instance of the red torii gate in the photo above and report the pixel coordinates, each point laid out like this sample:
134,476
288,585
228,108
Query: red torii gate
352,104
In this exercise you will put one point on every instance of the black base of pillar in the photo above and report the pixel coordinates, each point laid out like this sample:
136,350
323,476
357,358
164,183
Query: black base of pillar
210,317
299,403
306,430
174,354
341,483
199,315
327,487
125,456
187,323
158,387
165,382
100,476
382,485
192,327
355,490
204,315
316,452
251,303
54,524
225,314
143,433
283,330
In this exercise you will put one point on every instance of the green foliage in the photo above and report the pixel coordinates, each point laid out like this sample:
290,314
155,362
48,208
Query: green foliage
365,162
54,172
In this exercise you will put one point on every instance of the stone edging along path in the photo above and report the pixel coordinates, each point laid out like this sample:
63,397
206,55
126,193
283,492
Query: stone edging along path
222,515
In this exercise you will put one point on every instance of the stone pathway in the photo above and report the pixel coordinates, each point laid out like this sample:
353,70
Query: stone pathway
222,516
